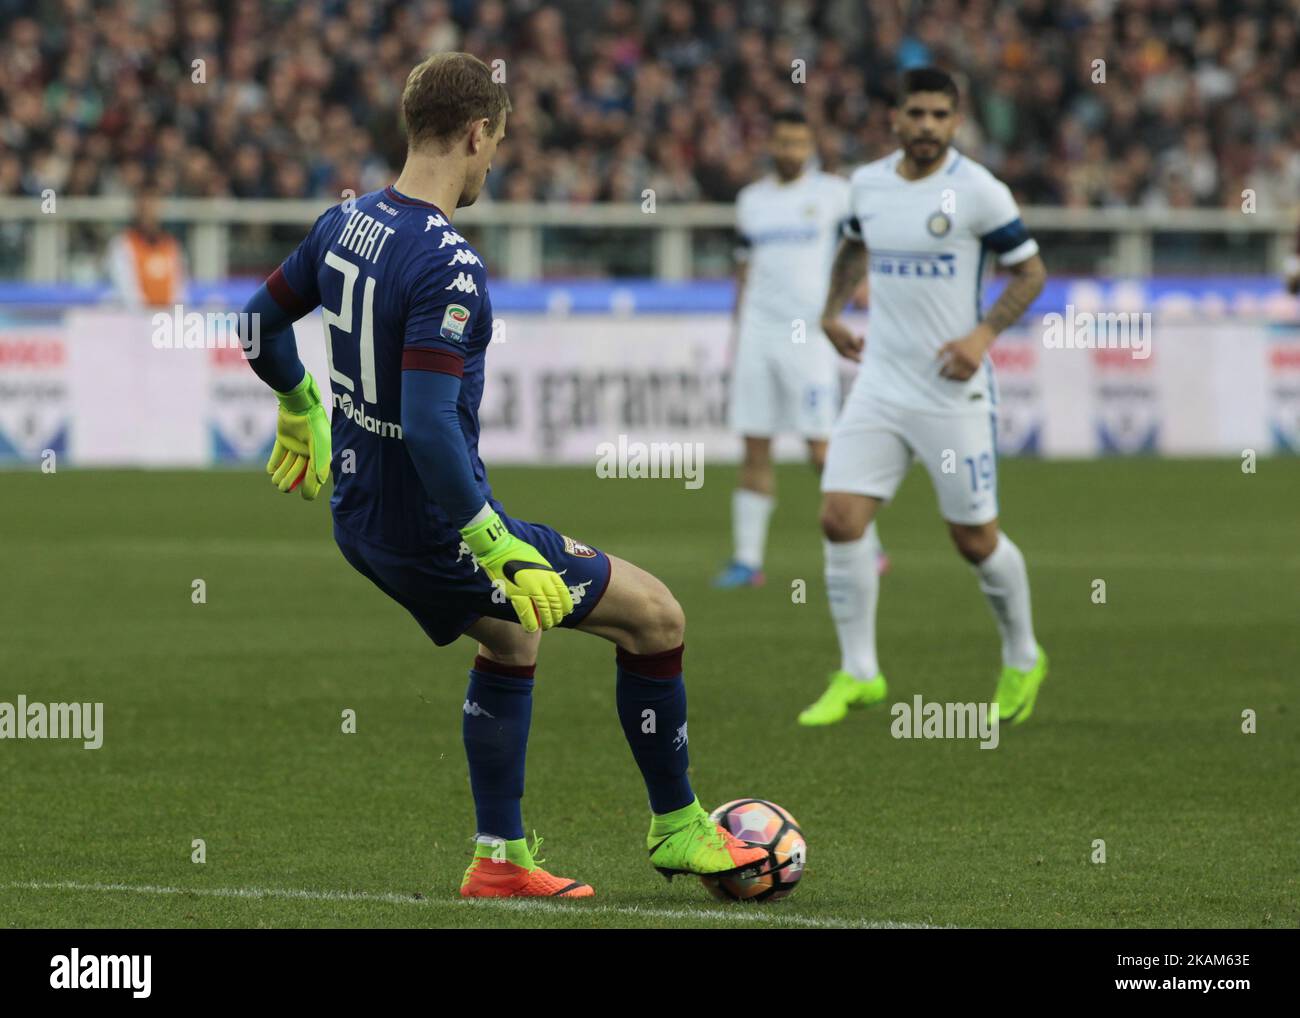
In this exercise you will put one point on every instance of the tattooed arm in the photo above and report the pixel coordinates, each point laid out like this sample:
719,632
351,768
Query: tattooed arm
847,272
960,358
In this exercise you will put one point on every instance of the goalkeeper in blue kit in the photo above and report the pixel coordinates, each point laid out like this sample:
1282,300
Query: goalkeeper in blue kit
408,320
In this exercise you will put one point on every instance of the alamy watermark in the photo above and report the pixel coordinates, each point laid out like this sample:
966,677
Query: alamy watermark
682,460
935,720
1098,330
179,329
23,720
77,971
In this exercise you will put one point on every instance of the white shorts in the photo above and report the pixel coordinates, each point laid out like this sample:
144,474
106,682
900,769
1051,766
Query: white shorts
775,390
875,442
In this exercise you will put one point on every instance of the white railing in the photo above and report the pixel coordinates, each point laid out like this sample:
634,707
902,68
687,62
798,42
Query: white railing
1131,232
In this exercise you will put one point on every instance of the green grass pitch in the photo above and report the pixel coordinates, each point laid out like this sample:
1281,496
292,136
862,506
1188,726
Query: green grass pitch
223,719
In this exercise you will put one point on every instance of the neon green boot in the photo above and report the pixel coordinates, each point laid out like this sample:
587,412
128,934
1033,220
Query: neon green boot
844,691
1018,690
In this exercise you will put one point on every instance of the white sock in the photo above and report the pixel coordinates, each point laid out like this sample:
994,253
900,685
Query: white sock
1005,584
750,511
852,587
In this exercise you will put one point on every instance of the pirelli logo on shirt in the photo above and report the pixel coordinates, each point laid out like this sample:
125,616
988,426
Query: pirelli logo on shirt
454,320
917,264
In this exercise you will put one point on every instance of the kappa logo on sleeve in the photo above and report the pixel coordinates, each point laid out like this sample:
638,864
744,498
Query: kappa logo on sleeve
464,282
454,320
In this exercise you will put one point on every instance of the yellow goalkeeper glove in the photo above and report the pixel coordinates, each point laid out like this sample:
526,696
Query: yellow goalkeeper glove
536,592
301,455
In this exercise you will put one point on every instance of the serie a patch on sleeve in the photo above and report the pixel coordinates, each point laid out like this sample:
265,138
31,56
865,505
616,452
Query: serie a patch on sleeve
454,320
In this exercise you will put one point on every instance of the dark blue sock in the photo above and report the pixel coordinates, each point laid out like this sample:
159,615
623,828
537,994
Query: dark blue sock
652,708
498,710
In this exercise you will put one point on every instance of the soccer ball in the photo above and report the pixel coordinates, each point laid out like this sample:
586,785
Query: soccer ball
768,826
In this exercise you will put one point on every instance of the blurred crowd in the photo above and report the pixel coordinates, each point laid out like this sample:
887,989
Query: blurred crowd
1156,103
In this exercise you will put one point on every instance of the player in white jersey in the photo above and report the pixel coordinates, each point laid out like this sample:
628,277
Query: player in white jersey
785,373
925,218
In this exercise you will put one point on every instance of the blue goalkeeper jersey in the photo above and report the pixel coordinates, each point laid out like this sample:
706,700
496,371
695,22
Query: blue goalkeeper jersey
398,288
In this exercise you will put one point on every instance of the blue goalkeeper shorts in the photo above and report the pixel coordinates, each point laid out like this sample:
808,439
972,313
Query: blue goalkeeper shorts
447,592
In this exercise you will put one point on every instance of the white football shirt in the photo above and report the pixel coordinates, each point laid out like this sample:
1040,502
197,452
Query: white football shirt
788,233
927,243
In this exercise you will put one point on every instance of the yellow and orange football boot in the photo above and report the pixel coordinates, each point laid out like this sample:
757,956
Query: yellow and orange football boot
689,841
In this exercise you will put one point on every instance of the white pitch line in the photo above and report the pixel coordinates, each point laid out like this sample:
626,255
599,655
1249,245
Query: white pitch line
739,914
